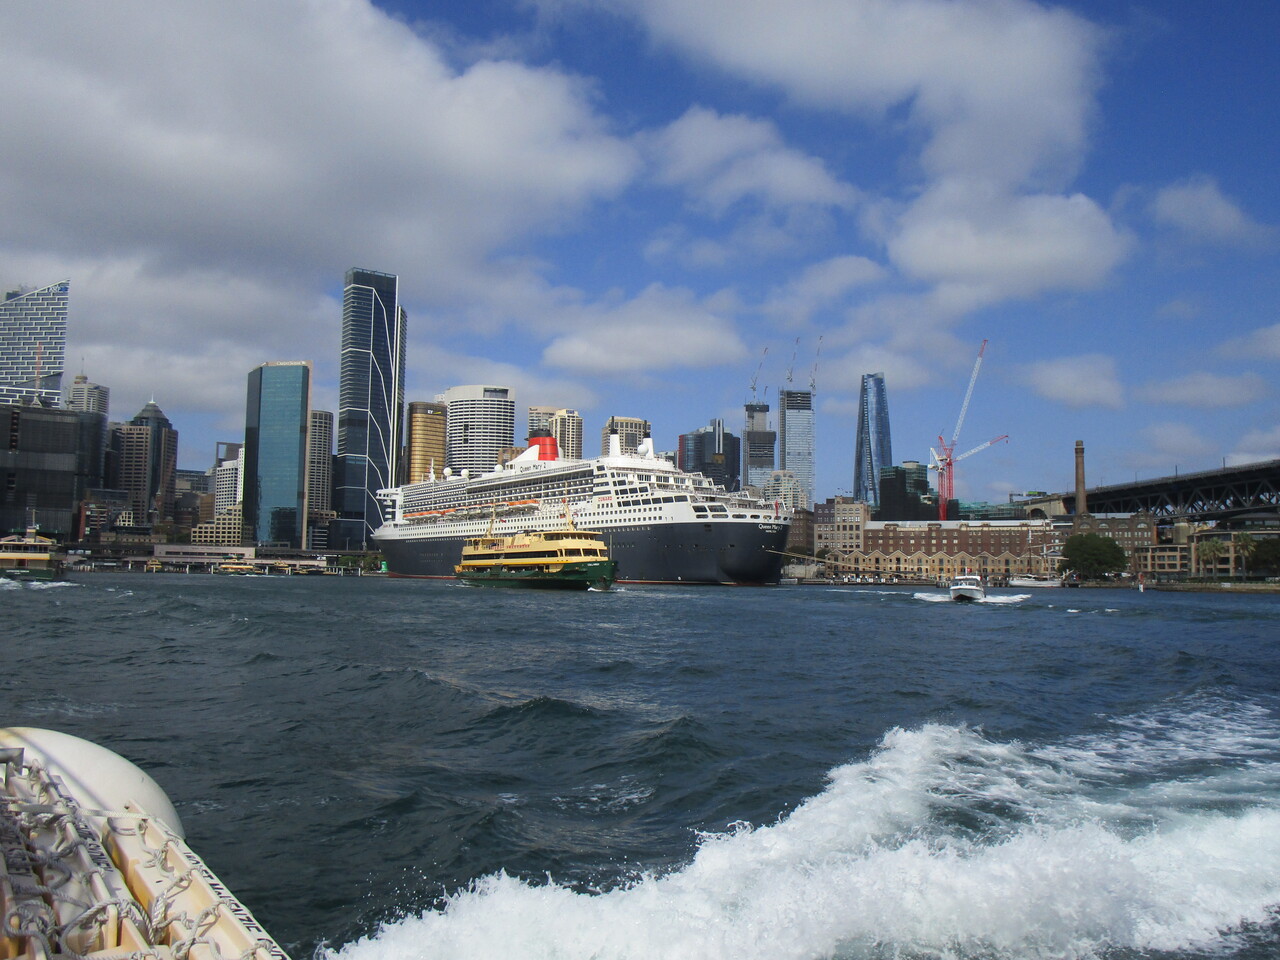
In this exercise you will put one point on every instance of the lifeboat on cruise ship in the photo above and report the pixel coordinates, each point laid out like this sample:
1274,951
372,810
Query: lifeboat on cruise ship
93,863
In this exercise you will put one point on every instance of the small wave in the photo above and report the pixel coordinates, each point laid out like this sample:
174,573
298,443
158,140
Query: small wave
942,843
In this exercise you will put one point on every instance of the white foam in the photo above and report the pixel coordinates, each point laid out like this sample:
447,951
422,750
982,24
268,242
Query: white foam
940,844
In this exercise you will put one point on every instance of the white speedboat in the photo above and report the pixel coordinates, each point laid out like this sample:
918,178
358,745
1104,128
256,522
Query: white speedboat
967,588
1031,580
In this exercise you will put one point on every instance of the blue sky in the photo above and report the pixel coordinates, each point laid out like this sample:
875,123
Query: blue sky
628,206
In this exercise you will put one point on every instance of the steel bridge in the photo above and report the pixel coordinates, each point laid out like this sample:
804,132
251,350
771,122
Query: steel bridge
1208,495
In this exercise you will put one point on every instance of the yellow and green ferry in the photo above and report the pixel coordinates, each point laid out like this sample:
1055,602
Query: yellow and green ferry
564,559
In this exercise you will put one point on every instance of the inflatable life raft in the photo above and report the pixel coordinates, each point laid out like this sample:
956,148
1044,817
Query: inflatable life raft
93,863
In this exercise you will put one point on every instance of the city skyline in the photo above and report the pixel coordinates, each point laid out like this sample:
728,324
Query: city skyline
620,206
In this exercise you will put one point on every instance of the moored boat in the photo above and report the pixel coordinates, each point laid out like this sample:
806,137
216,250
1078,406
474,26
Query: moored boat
967,588
30,557
662,525
1034,581
564,559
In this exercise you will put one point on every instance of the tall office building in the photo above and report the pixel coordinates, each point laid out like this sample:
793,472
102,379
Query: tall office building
145,465
33,343
874,451
228,471
713,452
88,397
370,403
320,463
565,425
758,446
425,441
480,424
630,430
795,438
276,420
49,461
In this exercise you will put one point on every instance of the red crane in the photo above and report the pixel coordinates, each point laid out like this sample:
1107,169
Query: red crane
944,459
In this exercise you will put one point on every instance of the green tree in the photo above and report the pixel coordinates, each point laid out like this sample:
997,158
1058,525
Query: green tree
1209,552
1092,556
1245,546
1266,556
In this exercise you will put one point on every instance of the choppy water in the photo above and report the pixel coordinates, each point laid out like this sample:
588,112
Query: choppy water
398,769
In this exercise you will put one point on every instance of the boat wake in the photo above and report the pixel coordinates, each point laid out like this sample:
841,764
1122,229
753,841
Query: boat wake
7,584
1163,834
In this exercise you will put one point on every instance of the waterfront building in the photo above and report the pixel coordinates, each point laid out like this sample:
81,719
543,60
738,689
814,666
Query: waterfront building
426,446
795,439
276,423
939,549
145,465
759,445
873,448
225,529
33,344
713,452
480,423
630,431
49,460
563,424
370,403
838,525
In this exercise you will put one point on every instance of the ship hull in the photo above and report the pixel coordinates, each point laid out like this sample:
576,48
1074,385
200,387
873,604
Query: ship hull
689,552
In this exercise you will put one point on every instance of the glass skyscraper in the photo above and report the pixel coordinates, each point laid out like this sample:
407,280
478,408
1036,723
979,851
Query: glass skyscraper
370,403
33,345
795,438
277,417
874,450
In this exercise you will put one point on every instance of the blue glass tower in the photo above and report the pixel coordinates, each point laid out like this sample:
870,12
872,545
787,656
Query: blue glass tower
370,404
277,414
874,450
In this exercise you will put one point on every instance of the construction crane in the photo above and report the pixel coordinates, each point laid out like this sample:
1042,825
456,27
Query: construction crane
813,375
944,459
757,374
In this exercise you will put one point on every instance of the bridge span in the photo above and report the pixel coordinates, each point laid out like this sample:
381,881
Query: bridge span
1207,495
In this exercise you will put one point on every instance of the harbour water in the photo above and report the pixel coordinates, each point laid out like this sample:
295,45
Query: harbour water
398,769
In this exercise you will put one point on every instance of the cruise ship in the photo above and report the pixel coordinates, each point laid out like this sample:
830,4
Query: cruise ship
661,525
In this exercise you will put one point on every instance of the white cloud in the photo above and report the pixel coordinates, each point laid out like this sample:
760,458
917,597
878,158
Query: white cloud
843,372
1261,343
289,136
1089,380
662,328
1256,445
202,174
821,285
722,160
1004,88
979,247
999,94
1199,209
1166,446
1206,390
